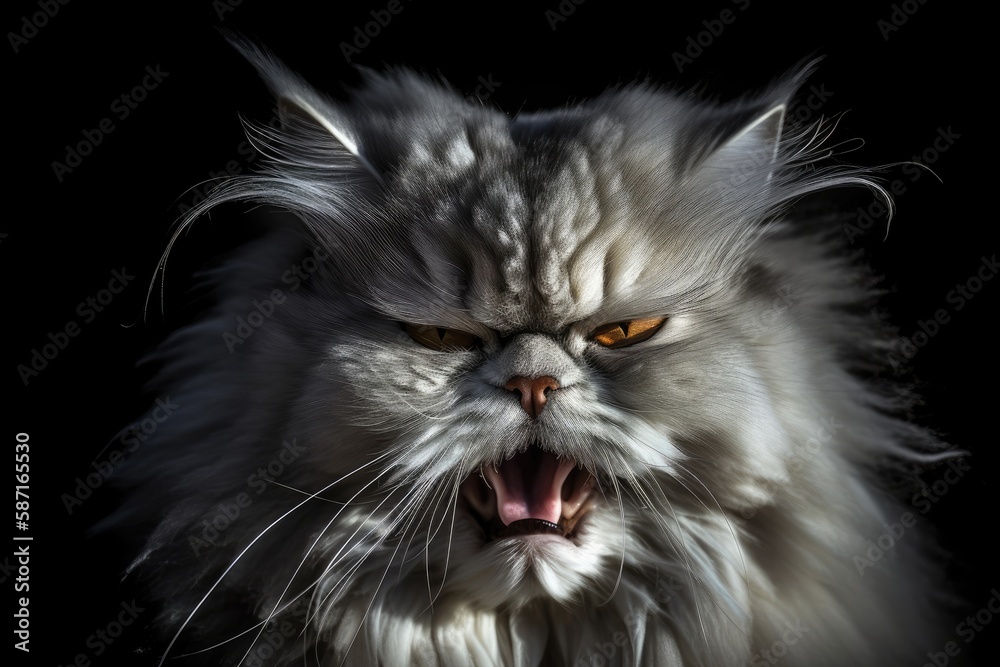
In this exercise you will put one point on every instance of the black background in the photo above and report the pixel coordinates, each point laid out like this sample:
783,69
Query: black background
63,238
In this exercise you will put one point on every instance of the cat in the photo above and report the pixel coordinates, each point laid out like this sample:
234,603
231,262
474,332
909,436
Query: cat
583,386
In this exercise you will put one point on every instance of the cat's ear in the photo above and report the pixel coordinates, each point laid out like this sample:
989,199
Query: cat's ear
748,149
299,105
748,134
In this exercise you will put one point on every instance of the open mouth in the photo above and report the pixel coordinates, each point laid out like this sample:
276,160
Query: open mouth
532,493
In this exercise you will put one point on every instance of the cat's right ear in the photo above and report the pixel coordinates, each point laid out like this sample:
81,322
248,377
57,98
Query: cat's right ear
298,102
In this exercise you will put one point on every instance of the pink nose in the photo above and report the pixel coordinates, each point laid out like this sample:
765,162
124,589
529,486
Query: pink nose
534,392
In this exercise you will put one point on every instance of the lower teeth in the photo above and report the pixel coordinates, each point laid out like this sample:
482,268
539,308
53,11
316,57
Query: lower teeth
528,526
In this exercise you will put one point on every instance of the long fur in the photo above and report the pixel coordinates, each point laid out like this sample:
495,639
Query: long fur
737,451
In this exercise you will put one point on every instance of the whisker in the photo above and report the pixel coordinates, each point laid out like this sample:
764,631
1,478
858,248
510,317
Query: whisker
708,589
685,550
621,509
247,548
453,504
306,493
319,537
371,602
725,517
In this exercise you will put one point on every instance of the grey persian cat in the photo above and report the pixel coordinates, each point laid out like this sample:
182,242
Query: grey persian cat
577,387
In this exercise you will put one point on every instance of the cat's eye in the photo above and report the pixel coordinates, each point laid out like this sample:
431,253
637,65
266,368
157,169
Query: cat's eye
440,338
622,334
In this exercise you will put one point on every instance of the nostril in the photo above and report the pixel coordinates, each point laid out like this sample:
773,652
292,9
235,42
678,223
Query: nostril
532,392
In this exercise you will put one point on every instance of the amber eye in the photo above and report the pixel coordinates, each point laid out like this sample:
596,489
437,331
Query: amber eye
622,334
439,338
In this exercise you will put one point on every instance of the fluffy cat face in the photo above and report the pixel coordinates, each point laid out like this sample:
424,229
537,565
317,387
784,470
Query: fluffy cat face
503,251
537,371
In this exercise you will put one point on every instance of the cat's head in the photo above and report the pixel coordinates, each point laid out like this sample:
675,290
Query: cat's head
544,357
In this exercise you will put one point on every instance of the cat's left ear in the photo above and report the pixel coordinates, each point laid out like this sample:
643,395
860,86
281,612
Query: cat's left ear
748,151
299,105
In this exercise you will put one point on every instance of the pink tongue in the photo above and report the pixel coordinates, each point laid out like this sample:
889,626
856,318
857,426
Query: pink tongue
529,485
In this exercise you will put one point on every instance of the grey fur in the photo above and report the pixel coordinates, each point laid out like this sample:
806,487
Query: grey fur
529,232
